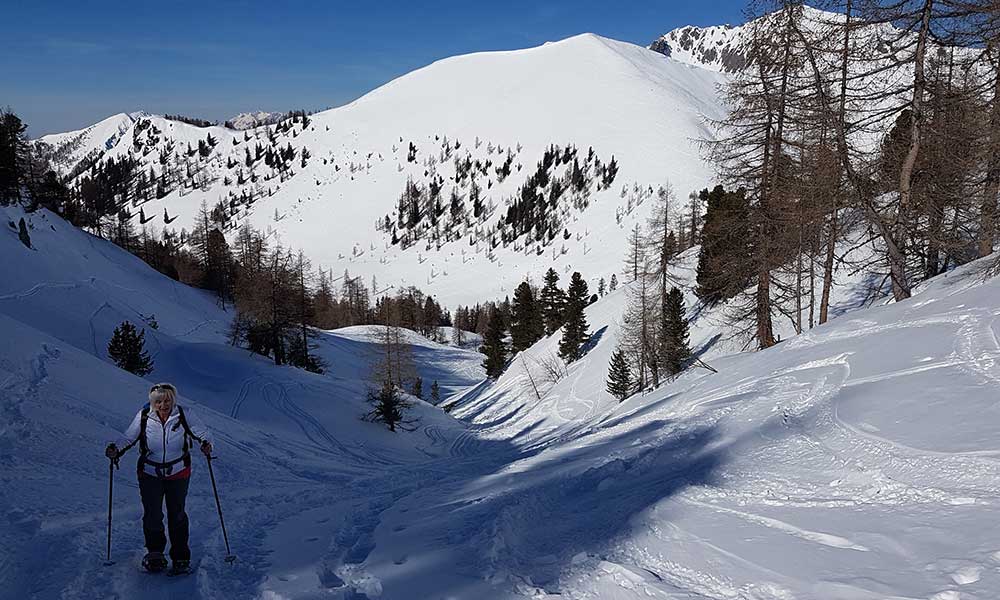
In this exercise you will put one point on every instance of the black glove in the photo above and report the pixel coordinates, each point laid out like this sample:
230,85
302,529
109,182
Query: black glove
206,448
111,451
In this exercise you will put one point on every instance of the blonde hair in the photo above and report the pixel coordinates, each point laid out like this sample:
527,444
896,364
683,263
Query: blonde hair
162,390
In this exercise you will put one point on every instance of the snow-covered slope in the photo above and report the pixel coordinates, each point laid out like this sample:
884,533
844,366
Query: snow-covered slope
288,440
580,94
856,461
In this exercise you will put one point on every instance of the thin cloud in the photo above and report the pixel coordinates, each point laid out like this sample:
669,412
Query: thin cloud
75,46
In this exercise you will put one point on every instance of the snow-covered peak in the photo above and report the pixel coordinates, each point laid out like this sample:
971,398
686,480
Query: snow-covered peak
103,129
723,47
67,150
249,120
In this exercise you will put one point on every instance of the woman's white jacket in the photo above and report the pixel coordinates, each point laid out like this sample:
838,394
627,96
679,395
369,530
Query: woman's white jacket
165,439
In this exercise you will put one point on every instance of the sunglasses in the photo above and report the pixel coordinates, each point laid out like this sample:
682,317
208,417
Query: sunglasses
163,386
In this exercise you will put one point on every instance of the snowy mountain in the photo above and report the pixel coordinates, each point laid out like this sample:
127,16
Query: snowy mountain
595,125
250,120
719,48
68,151
725,48
855,461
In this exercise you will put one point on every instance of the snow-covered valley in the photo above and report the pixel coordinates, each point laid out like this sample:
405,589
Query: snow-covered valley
858,460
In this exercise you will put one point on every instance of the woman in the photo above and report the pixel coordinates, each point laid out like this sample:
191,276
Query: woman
165,432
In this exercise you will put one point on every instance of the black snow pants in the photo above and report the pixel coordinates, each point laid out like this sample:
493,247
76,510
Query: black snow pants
153,492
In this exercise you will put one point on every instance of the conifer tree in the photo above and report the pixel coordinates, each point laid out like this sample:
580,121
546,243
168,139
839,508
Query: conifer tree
723,260
575,332
526,322
493,346
635,261
388,405
613,285
552,300
13,149
619,378
418,388
435,393
675,350
127,350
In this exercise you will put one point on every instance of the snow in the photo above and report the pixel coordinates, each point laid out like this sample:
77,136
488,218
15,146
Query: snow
283,435
623,100
74,146
856,461
249,120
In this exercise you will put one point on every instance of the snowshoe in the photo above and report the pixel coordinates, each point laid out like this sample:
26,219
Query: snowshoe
154,562
179,567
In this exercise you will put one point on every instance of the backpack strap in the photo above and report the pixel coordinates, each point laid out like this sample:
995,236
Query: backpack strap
143,443
141,440
188,435
187,428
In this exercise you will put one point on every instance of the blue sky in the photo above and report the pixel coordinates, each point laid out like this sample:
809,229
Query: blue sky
69,64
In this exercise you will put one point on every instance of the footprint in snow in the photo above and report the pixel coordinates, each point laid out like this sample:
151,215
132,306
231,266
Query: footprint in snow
312,539
966,575
399,560
399,528
946,595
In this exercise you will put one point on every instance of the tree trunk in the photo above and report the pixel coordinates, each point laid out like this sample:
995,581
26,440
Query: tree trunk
765,332
900,228
831,243
798,285
812,288
935,222
988,206
770,165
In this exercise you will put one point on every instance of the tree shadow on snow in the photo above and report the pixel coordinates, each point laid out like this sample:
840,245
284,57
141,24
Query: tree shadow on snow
530,525
593,340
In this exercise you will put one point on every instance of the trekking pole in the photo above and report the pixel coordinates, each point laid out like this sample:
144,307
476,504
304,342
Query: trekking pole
230,557
111,488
